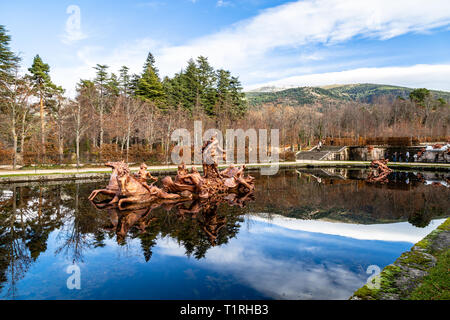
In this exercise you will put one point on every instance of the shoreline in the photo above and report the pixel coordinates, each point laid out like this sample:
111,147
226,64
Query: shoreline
11,176
419,274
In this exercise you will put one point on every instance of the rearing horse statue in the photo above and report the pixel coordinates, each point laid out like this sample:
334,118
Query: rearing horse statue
132,190
112,189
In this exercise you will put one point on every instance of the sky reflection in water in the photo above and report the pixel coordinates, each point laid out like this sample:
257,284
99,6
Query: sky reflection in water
310,246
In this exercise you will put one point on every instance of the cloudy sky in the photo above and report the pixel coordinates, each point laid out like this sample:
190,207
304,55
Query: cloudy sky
264,42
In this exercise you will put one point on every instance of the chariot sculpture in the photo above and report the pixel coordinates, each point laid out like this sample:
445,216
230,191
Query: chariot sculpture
126,188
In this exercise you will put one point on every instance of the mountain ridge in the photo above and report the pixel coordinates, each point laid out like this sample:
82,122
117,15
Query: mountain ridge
362,92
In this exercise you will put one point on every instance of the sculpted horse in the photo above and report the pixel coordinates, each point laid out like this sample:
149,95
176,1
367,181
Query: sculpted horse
235,179
112,189
132,190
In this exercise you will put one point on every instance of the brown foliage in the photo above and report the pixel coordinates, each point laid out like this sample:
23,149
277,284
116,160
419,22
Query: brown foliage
6,154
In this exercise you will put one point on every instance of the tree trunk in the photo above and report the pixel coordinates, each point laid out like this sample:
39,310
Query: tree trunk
78,149
41,102
22,137
60,144
101,129
128,138
15,149
78,135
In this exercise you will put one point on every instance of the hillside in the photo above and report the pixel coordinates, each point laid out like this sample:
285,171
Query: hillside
354,92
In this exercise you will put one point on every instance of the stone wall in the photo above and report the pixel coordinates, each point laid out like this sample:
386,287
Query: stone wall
360,153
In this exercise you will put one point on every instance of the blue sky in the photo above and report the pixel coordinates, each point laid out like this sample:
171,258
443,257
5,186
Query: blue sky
264,42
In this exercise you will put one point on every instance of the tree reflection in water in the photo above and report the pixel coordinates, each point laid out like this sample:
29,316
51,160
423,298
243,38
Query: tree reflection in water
30,213
27,216
343,195
197,225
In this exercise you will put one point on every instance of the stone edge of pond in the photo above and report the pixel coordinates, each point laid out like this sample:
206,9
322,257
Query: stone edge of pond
38,177
63,176
400,280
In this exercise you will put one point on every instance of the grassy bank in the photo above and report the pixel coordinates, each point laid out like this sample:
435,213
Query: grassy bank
419,274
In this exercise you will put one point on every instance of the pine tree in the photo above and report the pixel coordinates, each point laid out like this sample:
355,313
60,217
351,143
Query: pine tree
113,85
43,84
125,83
223,103
10,87
150,62
101,81
149,86
9,61
190,83
206,79
237,98
175,91
134,83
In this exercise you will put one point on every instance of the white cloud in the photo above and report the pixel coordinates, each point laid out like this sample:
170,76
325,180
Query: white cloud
276,278
73,31
423,75
293,25
278,40
400,231
222,3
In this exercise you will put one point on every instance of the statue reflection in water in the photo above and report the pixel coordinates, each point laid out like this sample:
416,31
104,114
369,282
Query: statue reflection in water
196,224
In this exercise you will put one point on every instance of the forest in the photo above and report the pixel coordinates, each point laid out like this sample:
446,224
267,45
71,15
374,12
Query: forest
121,115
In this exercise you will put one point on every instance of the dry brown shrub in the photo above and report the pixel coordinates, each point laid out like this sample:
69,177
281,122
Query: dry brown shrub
6,154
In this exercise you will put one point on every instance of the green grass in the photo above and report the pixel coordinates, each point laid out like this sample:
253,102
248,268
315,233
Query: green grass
387,280
436,285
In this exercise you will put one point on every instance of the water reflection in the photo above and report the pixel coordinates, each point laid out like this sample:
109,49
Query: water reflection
29,214
343,195
197,224
49,222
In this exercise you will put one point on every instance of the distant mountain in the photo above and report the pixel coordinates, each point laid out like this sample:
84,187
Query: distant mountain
353,92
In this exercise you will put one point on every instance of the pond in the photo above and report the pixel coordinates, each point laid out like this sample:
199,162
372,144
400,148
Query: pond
304,234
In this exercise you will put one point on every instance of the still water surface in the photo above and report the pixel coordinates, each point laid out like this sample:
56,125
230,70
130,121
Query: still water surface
306,234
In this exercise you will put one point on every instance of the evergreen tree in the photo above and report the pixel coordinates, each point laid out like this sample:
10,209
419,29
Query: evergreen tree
101,81
113,85
8,60
190,83
43,84
149,86
206,77
134,83
175,91
238,100
11,87
230,99
125,81
150,63
419,96
223,103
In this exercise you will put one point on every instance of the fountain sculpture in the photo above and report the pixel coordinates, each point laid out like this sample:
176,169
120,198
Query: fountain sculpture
126,188
379,171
